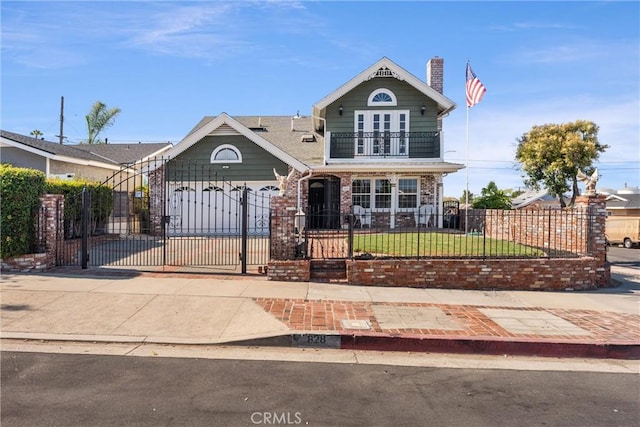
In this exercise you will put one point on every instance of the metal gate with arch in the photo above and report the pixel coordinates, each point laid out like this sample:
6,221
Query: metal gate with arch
166,213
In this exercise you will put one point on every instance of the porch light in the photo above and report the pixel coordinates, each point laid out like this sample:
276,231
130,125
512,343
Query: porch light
422,109
340,109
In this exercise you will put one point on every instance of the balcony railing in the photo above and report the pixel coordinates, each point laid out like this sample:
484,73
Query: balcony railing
347,145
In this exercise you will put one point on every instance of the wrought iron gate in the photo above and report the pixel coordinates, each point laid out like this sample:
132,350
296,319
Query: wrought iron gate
167,213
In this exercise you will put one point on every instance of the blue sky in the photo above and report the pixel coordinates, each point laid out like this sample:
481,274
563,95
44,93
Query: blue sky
168,64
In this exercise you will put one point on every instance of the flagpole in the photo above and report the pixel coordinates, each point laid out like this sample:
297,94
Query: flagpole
466,194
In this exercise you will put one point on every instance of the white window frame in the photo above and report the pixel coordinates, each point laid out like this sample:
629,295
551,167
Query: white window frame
392,103
396,196
226,147
395,193
367,126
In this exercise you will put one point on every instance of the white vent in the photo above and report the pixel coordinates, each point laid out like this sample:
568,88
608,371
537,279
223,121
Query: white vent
64,176
225,129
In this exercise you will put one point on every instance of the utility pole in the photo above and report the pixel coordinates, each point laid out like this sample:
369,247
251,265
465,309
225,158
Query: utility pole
61,136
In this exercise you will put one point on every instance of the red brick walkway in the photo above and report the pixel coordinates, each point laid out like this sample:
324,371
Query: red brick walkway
326,316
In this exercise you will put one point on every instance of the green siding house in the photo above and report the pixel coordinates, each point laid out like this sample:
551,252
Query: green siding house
373,145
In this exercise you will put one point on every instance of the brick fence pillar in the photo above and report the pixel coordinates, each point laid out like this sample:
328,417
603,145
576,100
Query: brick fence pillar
53,222
595,207
156,201
283,239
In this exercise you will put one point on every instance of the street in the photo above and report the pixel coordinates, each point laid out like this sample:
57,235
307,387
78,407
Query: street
85,390
624,257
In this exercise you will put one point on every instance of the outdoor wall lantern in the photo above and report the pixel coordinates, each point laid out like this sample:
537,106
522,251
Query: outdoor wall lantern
340,109
422,109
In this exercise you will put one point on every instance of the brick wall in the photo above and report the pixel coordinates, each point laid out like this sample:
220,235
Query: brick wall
289,271
283,238
551,274
514,274
156,201
53,234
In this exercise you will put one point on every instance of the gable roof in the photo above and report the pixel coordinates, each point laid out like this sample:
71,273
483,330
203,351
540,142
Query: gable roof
126,153
444,103
54,151
274,134
104,155
623,201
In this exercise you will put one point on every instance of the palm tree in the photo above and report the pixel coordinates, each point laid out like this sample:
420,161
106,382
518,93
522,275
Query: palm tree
36,133
98,119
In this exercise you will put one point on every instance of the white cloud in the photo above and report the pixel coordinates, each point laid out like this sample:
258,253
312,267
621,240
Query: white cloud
527,26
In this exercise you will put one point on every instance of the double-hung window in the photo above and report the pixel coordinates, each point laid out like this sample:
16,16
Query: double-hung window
361,193
379,194
407,193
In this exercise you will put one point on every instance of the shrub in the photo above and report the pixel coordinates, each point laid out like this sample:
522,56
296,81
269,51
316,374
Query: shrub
101,202
20,192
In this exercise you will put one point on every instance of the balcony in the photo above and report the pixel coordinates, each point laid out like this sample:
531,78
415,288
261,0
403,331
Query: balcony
350,145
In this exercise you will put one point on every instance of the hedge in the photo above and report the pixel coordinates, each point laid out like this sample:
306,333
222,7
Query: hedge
20,192
101,199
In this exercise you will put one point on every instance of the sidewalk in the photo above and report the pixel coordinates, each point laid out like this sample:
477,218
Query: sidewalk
250,310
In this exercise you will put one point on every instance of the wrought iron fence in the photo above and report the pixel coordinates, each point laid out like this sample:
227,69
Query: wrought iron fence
427,234
384,144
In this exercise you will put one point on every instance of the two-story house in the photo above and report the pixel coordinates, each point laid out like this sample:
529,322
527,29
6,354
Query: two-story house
374,145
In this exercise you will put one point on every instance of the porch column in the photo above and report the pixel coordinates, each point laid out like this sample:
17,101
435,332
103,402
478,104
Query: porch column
393,180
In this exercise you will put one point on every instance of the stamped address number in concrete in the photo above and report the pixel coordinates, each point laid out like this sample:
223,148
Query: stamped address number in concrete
316,340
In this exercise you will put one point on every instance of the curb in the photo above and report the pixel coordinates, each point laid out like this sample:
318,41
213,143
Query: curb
382,342
458,345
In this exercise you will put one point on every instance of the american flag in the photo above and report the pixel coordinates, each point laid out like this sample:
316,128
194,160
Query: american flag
475,88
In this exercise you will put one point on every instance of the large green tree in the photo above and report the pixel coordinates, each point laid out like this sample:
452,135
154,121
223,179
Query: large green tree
552,154
99,118
491,197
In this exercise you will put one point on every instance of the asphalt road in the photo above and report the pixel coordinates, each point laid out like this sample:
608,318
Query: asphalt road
88,390
622,256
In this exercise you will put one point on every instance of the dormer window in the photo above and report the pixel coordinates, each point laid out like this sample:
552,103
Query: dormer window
382,98
226,153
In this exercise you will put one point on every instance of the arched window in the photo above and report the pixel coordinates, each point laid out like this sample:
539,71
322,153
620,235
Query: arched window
382,97
226,153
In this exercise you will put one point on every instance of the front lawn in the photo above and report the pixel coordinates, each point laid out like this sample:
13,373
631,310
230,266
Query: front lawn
439,245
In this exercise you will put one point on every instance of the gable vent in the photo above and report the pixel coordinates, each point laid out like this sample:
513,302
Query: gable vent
224,129
384,72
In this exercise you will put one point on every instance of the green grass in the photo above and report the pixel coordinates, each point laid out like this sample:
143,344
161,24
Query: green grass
438,244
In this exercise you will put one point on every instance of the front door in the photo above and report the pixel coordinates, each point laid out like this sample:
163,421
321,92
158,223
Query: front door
324,203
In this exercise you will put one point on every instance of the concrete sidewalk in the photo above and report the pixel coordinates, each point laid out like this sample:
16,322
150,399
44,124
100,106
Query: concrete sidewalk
209,309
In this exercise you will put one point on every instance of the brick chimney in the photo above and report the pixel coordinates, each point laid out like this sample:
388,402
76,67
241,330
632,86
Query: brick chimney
435,68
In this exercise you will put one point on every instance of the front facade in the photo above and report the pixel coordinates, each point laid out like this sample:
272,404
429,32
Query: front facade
374,146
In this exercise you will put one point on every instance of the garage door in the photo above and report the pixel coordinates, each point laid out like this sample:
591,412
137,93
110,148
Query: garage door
214,209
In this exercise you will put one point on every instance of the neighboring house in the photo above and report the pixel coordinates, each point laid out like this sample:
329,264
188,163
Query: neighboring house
95,162
375,143
535,199
625,202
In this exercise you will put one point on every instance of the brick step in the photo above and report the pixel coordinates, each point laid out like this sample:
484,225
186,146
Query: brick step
332,271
